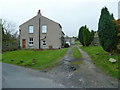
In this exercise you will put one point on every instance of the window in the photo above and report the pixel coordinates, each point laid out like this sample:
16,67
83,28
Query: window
44,43
44,29
30,41
31,29
20,32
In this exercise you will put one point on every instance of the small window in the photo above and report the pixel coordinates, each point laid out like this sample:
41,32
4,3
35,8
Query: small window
30,41
31,29
20,32
44,29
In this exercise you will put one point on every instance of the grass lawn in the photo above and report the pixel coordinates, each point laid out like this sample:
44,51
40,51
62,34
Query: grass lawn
102,60
42,59
76,53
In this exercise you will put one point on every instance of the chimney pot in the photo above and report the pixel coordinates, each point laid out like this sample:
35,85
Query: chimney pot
39,12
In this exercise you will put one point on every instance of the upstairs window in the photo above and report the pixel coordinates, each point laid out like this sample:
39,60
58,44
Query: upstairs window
44,29
31,29
30,41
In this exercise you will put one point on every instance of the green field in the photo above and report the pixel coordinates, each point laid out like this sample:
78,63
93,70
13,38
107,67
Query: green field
34,59
102,60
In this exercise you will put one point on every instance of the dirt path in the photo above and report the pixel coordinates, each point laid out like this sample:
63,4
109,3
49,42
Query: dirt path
93,75
86,75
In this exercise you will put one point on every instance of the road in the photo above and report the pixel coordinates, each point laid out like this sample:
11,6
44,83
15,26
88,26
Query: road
0,75
20,77
86,75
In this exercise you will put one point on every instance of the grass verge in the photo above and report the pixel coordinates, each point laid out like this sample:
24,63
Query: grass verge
102,60
34,59
77,42
76,53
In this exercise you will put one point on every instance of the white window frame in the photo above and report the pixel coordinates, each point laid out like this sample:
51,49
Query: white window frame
31,42
44,28
44,43
31,29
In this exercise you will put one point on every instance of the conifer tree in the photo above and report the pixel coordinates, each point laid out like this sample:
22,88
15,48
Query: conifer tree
85,36
107,31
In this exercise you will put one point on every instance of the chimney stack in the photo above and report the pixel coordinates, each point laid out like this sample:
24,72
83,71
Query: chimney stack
39,13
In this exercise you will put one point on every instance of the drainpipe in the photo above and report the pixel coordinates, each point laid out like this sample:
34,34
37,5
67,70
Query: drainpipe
39,35
39,29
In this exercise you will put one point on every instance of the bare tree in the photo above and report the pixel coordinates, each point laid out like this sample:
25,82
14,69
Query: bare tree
10,40
9,27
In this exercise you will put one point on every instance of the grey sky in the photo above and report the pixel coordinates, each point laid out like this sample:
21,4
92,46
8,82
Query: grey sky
71,14
119,10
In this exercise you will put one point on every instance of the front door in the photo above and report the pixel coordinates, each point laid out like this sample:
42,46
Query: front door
23,43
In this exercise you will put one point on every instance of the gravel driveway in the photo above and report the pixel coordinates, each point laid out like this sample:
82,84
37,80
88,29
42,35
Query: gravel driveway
63,75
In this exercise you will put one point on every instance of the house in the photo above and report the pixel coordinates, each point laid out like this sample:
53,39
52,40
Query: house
70,40
1,35
41,33
95,41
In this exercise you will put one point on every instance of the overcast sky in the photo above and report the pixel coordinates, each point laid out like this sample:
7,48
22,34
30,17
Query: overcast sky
71,14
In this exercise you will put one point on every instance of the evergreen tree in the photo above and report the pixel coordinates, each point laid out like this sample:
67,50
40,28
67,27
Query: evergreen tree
80,35
85,36
92,36
107,31
118,33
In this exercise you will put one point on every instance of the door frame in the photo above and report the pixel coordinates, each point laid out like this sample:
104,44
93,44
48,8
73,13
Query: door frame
23,43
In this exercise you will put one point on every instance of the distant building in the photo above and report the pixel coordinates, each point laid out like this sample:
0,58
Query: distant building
41,33
70,40
95,41
119,10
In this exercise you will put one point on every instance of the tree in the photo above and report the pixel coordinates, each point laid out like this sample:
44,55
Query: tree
9,36
92,36
85,36
118,32
0,36
107,31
